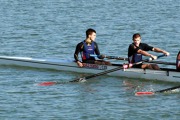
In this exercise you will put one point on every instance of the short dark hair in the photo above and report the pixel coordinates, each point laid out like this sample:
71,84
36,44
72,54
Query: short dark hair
89,32
136,35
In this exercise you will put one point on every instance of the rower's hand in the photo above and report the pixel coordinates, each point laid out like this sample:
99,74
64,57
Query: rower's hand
166,53
79,64
153,57
102,56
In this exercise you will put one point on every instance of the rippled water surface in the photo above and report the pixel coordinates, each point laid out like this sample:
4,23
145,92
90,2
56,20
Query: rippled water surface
52,28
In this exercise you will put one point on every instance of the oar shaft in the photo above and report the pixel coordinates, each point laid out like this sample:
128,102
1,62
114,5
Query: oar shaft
168,89
98,74
110,57
161,62
117,58
102,73
126,59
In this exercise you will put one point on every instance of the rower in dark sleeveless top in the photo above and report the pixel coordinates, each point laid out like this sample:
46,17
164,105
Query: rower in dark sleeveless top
87,47
137,49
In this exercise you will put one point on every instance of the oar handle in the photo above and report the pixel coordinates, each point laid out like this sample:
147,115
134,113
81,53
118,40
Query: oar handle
161,56
94,55
149,59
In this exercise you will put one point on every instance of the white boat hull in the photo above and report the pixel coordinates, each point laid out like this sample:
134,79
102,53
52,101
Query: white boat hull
168,75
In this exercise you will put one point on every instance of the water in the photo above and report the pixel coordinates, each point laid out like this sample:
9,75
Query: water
52,28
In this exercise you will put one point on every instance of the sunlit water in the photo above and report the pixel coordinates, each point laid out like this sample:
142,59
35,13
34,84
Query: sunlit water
52,28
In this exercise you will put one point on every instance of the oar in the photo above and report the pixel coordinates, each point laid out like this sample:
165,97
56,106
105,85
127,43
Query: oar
125,66
162,62
110,57
159,91
126,59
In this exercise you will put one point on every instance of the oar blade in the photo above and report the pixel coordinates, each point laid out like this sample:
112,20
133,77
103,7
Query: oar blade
144,93
47,83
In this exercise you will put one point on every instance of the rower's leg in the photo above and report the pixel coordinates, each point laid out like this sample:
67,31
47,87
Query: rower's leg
155,66
146,66
150,66
102,62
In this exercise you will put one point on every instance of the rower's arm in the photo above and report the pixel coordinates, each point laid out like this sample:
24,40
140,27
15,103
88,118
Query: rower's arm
146,47
77,51
161,51
98,52
144,53
96,49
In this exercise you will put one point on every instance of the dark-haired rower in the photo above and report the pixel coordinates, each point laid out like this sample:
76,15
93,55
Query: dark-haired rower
137,49
87,47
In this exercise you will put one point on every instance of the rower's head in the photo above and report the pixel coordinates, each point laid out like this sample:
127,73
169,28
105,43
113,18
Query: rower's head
91,34
136,39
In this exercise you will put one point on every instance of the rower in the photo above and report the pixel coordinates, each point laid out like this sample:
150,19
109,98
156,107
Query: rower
178,62
137,49
87,47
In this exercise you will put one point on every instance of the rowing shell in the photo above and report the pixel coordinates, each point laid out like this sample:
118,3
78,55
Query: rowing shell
165,74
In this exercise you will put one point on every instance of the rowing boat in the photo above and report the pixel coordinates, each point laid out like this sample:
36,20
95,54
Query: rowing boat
165,74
